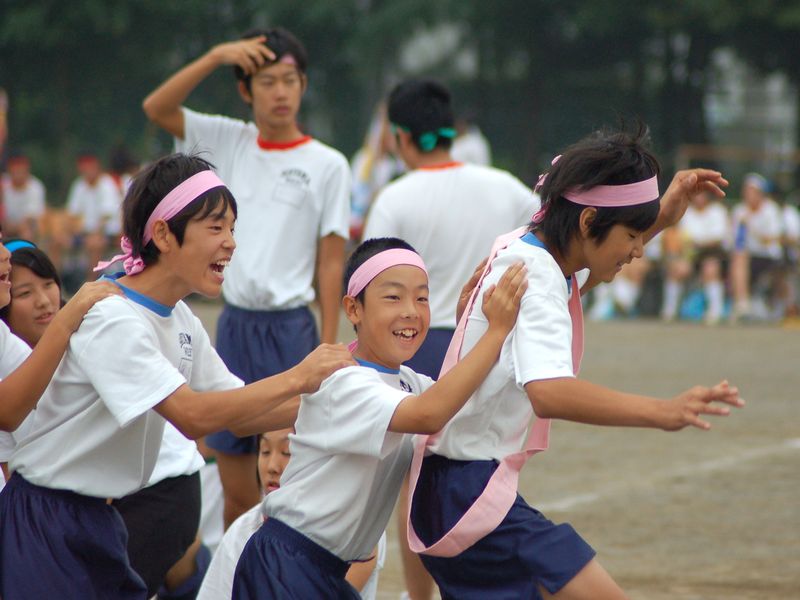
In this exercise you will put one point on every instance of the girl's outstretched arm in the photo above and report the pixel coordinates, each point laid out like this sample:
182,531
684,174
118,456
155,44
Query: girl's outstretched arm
584,402
21,390
430,411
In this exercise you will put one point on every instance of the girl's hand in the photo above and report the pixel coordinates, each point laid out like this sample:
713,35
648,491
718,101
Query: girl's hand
320,364
71,315
501,302
466,291
686,185
686,408
250,54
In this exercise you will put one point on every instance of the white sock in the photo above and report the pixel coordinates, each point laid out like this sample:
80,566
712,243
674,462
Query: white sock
626,293
672,295
715,295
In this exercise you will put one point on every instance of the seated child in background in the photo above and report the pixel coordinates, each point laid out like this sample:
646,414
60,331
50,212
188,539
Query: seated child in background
273,456
349,452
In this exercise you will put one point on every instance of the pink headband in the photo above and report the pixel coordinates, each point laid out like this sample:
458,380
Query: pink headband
377,264
288,59
174,202
629,194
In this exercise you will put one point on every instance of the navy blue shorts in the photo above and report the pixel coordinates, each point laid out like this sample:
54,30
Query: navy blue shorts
525,551
280,563
256,344
430,356
59,544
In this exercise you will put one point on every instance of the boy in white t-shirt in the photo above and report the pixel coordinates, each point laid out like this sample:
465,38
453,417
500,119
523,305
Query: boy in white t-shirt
23,200
350,452
94,435
293,194
273,457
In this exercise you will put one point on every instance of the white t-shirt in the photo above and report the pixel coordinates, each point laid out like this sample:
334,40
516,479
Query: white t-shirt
705,227
25,203
451,216
763,223
287,200
791,222
218,580
94,203
494,421
346,469
472,147
13,352
93,430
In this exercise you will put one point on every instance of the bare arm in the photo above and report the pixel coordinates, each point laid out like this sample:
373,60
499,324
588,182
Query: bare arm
430,411
21,390
584,402
255,407
163,105
330,269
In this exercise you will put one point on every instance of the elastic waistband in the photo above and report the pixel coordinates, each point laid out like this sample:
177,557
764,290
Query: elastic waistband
19,482
267,315
291,537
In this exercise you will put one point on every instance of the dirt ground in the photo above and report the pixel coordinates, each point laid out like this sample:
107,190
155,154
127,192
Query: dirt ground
692,515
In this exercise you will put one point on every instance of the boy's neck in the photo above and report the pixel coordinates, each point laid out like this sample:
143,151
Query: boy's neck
438,156
570,264
280,135
155,283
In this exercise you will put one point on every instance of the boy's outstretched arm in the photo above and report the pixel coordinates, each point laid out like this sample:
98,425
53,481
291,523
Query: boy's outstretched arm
432,409
584,402
21,390
163,105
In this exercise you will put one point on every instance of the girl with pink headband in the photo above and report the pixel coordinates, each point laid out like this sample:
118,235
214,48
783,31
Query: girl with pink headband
140,376
476,535
351,449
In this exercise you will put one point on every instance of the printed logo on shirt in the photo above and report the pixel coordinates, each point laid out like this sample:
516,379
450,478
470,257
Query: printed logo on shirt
405,387
185,342
296,176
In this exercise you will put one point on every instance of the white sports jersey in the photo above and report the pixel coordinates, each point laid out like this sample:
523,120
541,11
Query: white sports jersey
13,352
708,226
93,431
25,203
342,481
494,421
451,216
763,228
94,203
287,200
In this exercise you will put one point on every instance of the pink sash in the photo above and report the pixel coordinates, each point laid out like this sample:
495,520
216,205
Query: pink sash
491,507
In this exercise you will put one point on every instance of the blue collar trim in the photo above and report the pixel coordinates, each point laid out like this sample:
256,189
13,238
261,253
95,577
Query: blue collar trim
162,310
378,368
530,238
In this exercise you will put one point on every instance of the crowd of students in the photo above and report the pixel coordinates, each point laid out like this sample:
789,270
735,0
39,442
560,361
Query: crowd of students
465,298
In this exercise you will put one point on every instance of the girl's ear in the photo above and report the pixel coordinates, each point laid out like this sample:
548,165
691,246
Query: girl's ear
585,221
352,309
161,235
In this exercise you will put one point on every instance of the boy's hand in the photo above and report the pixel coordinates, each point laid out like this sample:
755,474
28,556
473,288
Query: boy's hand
71,315
686,185
686,408
466,291
320,364
501,302
250,54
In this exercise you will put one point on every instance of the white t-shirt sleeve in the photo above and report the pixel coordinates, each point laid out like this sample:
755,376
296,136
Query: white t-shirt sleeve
36,205
379,220
13,351
355,408
120,356
209,133
542,337
335,217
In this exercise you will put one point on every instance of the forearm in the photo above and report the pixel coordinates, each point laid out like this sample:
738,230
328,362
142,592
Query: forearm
196,414
280,417
165,101
431,410
22,389
584,402
330,269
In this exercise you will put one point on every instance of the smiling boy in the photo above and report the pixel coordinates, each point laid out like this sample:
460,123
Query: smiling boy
293,194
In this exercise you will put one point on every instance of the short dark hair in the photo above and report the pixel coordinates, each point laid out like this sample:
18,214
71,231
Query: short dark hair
422,106
603,158
152,184
33,258
280,41
366,250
